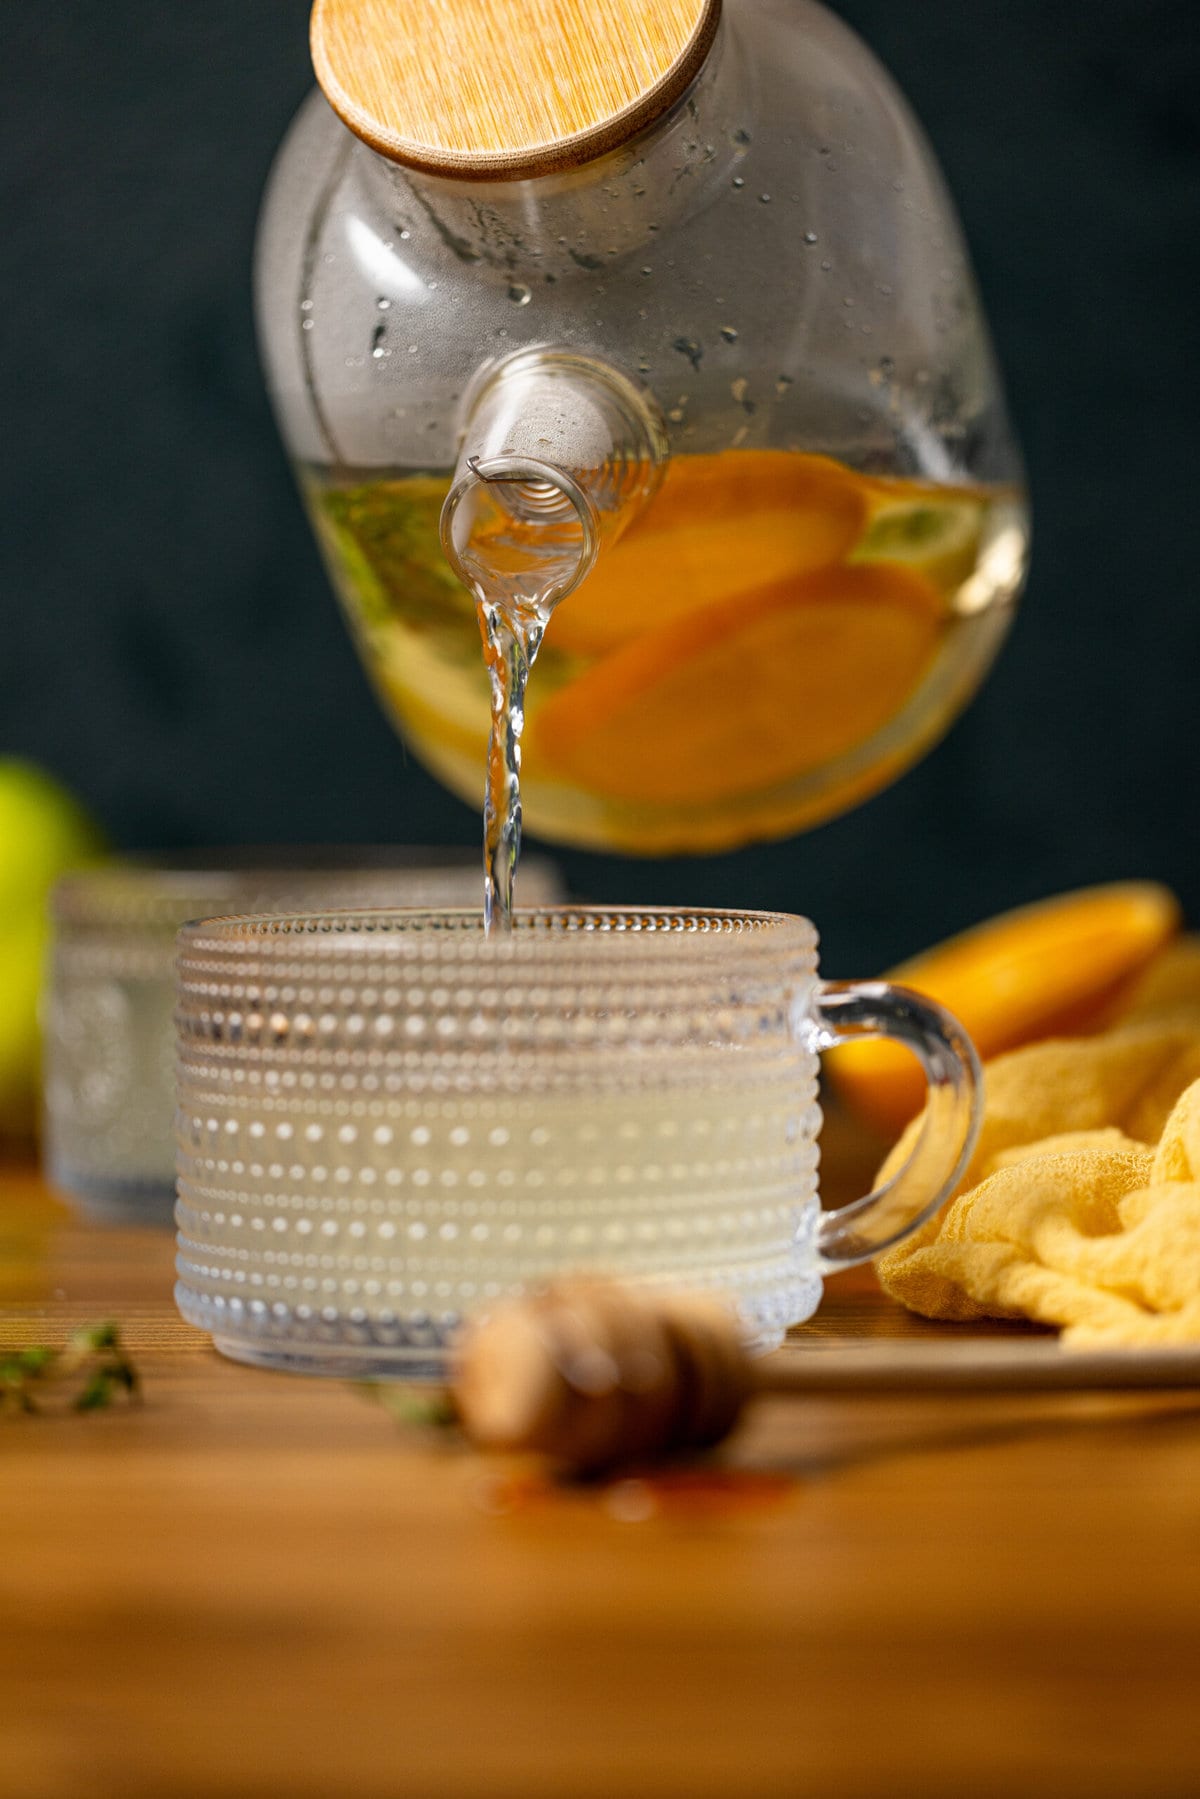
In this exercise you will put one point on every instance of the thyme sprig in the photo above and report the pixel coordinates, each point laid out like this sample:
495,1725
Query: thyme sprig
417,1408
94,1354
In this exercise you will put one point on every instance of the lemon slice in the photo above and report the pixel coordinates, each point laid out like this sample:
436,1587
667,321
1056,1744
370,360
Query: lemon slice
433,696
1059,968
936,536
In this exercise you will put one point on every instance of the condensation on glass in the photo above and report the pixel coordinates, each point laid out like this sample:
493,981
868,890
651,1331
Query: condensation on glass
738,374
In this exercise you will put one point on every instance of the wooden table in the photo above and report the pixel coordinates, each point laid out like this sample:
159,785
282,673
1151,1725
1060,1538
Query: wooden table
255,1584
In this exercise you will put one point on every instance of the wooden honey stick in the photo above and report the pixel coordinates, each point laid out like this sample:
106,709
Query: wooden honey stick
593,1374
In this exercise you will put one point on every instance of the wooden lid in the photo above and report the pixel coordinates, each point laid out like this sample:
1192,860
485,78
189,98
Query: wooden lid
503,89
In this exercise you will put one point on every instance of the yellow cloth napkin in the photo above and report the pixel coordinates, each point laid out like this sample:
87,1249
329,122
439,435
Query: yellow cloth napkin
1081,1205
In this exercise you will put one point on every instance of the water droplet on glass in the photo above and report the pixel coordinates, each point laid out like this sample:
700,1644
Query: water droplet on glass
741,135
826,265
738,388
306,305
783,383
675,414
647,271
687,346
739,181
405,234
383,305
306,324
849,300
518,293
764,199
729,334
412,349
810,237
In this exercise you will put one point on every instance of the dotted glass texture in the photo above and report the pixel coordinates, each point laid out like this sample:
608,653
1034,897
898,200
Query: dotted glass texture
386,1121
109,1030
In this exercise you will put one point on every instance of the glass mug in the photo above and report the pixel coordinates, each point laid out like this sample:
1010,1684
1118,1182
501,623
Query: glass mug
109,1056
385,1121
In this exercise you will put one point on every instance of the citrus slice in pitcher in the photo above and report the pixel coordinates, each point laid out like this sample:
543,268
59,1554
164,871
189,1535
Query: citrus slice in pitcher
718,526
755,691
1054,969
937,534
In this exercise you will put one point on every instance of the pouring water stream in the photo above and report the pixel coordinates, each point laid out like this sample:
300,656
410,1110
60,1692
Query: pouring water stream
559,453
523,536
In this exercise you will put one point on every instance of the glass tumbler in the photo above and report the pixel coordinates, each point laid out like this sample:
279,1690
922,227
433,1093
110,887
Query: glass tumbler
109,1059
387,1120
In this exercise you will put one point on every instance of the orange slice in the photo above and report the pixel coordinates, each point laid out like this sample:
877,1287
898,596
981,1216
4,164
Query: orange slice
719,525
1058,968
749,693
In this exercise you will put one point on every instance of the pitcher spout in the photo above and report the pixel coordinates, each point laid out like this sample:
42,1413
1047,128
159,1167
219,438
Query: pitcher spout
559,453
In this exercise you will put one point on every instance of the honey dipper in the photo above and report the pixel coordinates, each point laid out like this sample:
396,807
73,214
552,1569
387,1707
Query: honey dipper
593,1374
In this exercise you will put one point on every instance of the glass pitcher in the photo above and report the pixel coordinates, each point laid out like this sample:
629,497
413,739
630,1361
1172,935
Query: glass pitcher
673,306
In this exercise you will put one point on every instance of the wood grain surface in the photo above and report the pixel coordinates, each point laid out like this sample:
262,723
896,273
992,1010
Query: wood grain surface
476,89
257,1584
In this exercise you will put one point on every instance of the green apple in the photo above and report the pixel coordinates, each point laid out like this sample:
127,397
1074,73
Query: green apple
44,833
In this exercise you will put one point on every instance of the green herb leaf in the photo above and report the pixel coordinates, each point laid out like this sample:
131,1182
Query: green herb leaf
95,1350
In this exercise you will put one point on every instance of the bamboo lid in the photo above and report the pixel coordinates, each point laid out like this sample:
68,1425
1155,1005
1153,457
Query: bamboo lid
503,89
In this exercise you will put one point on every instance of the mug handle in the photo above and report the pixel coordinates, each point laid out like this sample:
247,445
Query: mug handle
949,1126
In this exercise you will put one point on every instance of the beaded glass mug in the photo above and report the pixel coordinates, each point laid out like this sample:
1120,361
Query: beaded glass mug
109,1087
386,1120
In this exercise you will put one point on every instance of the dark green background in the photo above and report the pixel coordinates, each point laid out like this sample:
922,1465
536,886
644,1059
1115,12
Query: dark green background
169,644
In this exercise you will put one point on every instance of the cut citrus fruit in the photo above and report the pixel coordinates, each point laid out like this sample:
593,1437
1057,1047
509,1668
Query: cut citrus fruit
1058,968
719,526
755,691
939,536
